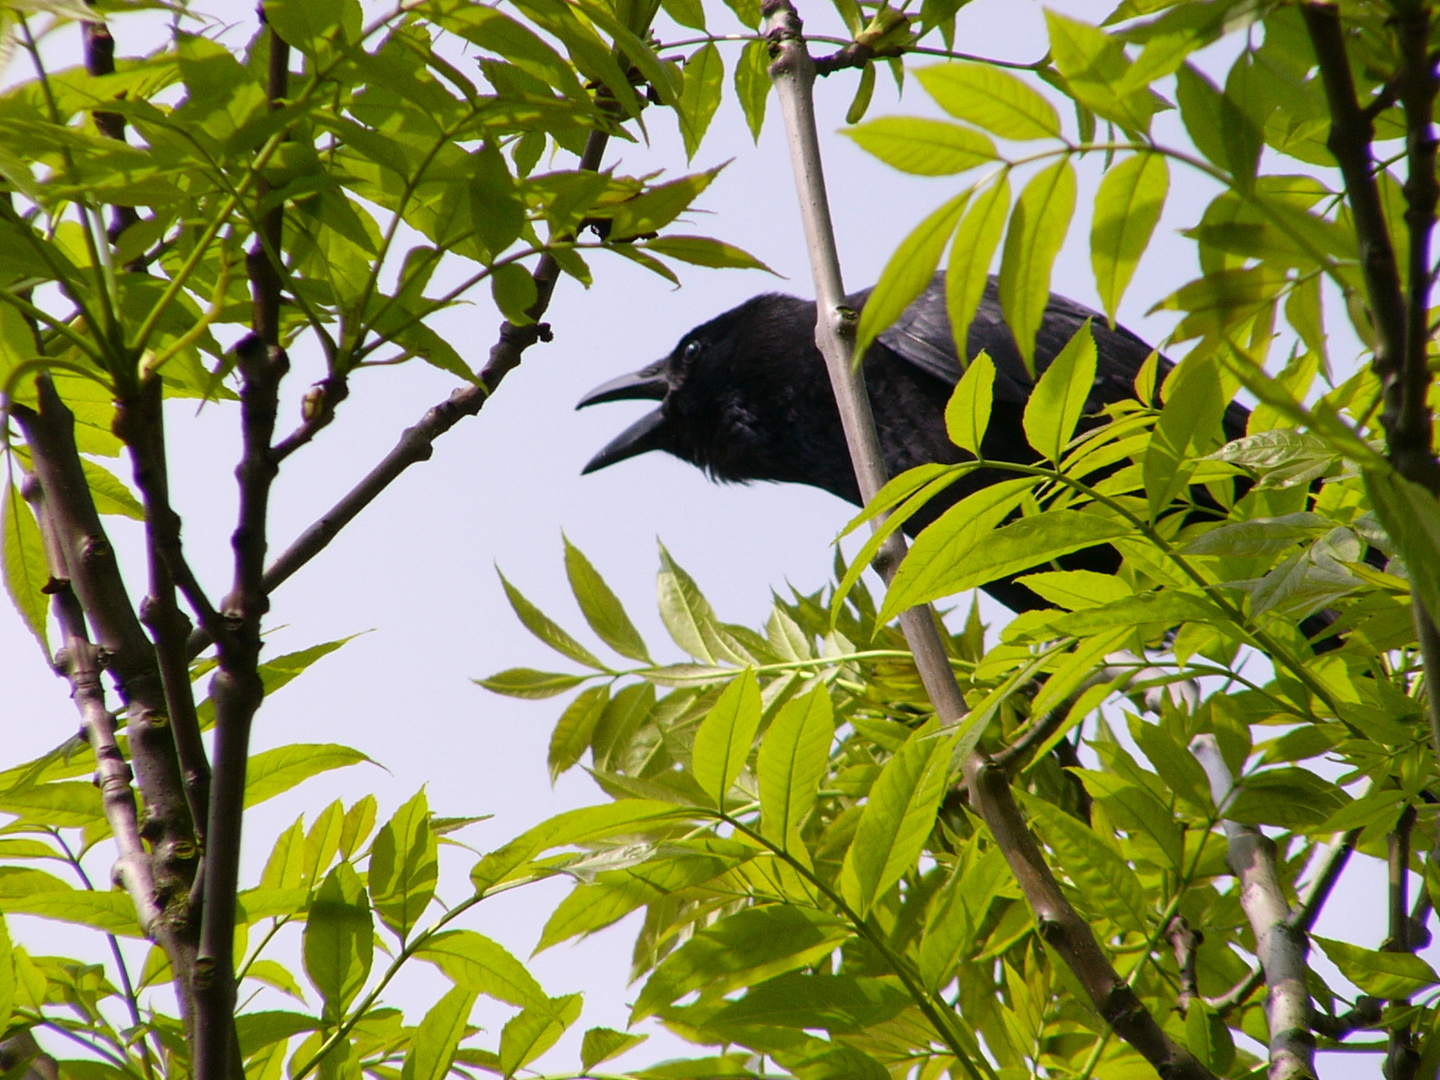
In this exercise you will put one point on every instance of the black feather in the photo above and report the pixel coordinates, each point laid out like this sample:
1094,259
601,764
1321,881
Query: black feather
746,397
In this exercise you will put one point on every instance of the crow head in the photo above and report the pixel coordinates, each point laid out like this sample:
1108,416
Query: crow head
743,396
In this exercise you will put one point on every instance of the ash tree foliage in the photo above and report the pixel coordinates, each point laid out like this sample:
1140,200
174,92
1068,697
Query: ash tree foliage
843,872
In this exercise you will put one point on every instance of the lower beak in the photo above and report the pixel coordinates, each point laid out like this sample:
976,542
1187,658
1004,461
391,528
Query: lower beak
638,438
647,384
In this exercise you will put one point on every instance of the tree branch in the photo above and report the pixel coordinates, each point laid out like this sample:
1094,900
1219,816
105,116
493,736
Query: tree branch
237,688
417,443
140,423
1280,947
95,577
79,661
1401,1056
793,73
1302,918
100,60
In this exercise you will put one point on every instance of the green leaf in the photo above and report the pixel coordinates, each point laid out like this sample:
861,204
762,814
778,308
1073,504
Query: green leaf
573,827
752,84
658,206
513,290
839,1004
108,912
1074,590
311,25
1127,209
359,820
1177,767
27,571
741,949
973,251
792,762
987,97
934,569
546,629
528,683
1379,974
967,414
1412,520
616,893
1037,230
723,740
683,609
66,805
256,1030
897,819
864,92
285,869
481,966
498,33
1217,126
1107,884
534,1030
924,147
1208,1037
433,1046
1058,400
601,608
703,251
271,772
1291,798
1189,427
1136,810
404,867
689,13
275,974
323,841
603,1044
704,78
1094,64
573,731
339,939
6,977
109,492
908,271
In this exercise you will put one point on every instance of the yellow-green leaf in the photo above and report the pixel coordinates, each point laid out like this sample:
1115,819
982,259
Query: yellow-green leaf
908,271
1127,208
924,147
1037,230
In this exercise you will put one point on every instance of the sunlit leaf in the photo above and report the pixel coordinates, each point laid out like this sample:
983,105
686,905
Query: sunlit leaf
1037,230
990,98
1127,209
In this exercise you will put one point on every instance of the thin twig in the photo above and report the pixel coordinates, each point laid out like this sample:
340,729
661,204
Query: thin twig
793,73
417,443
1186,942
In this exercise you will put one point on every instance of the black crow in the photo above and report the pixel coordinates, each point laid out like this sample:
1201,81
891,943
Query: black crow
746,397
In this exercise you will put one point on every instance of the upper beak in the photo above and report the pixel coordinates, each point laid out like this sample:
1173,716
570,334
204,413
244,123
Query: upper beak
639,437
647,384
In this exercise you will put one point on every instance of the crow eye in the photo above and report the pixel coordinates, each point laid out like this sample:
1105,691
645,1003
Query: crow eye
691,351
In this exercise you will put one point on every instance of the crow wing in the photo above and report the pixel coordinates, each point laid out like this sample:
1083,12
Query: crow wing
922,336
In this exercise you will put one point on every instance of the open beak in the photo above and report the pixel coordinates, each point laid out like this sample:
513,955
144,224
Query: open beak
638,438
647,384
